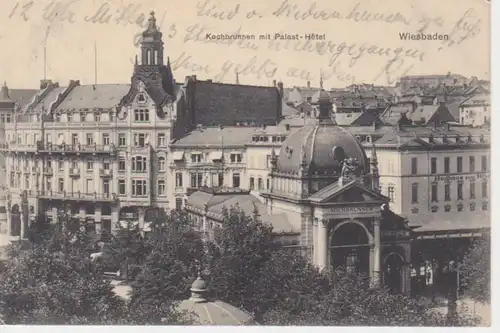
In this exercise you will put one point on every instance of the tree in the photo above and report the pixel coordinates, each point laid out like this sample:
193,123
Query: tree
476,270
53,283
239,251
168,270
125,251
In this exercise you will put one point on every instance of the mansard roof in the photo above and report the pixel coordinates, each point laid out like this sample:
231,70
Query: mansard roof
227,104
101,96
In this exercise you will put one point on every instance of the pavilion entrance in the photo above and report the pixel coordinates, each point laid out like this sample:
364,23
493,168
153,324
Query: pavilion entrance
350,249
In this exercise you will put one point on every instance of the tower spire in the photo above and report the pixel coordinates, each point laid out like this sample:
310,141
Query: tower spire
45,62
321,78
237,78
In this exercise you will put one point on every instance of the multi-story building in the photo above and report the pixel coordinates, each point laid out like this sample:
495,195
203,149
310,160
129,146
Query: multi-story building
100,153
476,110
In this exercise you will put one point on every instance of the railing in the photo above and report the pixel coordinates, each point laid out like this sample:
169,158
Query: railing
64,195
79,148
48,171
106,172
18,147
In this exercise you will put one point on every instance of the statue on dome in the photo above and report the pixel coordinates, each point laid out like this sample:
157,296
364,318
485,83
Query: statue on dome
350,167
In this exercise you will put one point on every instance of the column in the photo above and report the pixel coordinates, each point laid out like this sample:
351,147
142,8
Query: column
376,252
406,277
322,244
55,217
115,210
23,225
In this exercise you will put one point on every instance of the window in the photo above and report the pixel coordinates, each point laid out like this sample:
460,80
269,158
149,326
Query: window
161,163
60,164
122,139
161,187
74,139
48,184
268,161
252,183
195,158
61,184
459,164
484,189
105,186
472,189
141,98
105,165
485,206
196,180
178,179
97,116
433,166
484,164
236,180
105,139
236,158
178,203
414,165
446,192
267,184
414,193
434,192
140,139
472,164
472,206
139,187
90,166
390,193
460,191
446,165
121,164
161,142
90,139
141,115
221,179
260,184
139,164
121,186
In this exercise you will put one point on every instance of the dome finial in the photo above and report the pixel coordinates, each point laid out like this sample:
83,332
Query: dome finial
199,290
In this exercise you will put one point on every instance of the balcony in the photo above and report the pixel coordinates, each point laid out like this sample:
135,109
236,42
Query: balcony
74,172
77,196
19,148
48,171
76,149
106,173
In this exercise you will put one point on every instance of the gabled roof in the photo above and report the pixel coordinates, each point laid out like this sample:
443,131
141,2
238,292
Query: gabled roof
353,191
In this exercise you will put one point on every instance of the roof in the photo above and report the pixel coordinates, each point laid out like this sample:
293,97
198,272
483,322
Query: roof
216,202
46,101
462,221
94,96
214,136
229,104
215,313
315,145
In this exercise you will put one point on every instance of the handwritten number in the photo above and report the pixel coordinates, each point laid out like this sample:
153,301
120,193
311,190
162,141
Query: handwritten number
23,10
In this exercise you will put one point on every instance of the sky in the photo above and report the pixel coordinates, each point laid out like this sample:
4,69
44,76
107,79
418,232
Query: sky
361,41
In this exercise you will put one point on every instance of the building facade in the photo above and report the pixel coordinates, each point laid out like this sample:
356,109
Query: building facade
476,110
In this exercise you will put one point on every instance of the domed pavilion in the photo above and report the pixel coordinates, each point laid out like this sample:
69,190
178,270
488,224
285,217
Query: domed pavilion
205,311
326,188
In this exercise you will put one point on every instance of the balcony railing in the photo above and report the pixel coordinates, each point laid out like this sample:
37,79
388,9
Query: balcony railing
18,147
106,173
48,171
76,148
77,196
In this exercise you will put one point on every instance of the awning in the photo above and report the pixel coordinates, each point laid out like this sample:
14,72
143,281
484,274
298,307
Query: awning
216,155
178,155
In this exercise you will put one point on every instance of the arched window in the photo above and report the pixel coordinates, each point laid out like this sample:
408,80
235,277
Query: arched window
161,163
139,164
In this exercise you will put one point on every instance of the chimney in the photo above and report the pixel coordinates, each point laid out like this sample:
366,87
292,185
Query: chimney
274,83
287,127
280,88
209,80
308,84
194,77
45,83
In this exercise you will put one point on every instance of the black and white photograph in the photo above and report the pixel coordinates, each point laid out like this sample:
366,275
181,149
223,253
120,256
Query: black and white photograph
257,163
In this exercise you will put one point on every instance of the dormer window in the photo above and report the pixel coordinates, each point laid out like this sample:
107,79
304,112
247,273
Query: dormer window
141,98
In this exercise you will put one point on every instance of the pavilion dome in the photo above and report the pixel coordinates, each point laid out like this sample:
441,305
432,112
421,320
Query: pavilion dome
212,312
321,149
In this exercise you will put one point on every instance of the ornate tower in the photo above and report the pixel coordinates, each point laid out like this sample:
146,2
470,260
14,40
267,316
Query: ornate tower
152,44
374,170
